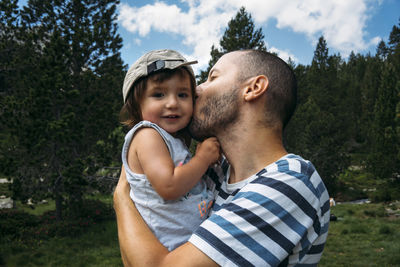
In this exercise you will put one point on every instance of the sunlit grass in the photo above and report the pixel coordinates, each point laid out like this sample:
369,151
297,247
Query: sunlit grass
363,236
37,209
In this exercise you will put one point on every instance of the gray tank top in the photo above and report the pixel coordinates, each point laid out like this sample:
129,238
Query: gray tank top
172,221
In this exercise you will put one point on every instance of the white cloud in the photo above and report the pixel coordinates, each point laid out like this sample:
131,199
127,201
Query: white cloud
341,22
202,24
375,41
283,54
200,27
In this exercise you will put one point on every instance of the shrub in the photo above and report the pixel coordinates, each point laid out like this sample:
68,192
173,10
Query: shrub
358,229
386,192
5,189
345,232
95,210
14,222
375,212
385,230
350,212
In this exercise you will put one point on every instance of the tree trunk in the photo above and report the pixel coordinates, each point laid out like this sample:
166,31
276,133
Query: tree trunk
58,199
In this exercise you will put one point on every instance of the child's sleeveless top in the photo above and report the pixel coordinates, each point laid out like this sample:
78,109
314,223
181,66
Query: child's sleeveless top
173,222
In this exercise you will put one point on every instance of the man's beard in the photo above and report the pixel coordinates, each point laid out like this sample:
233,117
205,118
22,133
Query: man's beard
218,112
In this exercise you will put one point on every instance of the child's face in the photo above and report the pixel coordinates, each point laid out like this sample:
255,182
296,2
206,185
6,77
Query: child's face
168,104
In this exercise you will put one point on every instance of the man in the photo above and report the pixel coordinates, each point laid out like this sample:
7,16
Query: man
273,208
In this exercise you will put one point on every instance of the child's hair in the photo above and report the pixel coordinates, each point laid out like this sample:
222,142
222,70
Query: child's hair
130,113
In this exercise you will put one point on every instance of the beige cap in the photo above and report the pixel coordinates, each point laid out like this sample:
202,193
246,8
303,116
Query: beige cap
153,61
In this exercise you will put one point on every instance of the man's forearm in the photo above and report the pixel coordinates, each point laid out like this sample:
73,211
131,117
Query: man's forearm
138,245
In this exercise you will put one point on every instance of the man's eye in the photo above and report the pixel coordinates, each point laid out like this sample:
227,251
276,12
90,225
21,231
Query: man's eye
212,78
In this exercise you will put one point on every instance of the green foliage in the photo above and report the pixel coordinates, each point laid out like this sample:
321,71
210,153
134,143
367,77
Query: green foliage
14,222
334,118
21,225
59,96
318,130
387,191
383,160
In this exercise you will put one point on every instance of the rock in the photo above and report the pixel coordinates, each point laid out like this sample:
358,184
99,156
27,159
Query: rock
333,218
6,203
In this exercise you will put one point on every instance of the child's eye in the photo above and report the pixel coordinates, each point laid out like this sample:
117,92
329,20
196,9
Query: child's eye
183,95
158,95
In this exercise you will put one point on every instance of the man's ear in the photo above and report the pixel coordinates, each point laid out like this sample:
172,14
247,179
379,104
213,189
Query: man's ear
256,87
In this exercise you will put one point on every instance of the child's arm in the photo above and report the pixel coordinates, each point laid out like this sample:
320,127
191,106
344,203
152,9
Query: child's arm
154,160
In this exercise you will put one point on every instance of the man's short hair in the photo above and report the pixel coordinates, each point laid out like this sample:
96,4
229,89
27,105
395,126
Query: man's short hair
282,89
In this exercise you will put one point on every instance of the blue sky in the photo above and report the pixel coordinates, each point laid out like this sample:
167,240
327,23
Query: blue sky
291,27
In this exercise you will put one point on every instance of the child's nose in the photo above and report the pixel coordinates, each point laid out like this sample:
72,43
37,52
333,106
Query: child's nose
172,102
199,90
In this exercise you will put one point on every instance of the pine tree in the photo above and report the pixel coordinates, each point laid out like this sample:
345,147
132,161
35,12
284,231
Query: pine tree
67,100
350,79
394,37
383,159
317,130
394,42
320,58
382,50
9,50
240,34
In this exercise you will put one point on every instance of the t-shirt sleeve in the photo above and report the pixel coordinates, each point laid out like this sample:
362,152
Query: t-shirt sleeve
266,221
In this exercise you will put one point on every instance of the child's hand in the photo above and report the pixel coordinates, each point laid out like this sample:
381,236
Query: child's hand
209,150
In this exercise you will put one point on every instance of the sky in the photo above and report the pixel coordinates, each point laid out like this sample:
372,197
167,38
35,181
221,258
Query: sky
291,27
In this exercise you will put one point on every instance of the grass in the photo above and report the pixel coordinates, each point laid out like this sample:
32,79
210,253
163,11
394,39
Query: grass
38,209
97,247
364,235
4,189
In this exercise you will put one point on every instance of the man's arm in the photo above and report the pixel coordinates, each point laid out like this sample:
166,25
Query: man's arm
139,246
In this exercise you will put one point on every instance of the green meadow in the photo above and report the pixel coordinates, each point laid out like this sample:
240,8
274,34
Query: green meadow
362,235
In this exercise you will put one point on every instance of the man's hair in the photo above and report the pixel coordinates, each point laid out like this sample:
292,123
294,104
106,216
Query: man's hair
281,96
130,113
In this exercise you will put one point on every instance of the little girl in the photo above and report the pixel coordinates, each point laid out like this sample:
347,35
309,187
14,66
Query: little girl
166,183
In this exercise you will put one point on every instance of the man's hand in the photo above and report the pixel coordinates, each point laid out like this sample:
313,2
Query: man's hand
139,246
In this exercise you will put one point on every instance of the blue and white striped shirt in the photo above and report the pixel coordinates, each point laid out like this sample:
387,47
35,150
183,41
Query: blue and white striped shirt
278,216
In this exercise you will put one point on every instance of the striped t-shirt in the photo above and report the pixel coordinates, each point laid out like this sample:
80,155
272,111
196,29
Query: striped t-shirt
278,216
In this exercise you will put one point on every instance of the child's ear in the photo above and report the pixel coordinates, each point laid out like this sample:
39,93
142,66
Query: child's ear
256,87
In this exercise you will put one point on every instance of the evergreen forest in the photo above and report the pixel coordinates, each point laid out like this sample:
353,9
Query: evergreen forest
61,76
